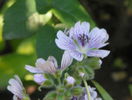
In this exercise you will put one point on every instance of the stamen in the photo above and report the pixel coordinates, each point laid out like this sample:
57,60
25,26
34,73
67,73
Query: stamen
83,39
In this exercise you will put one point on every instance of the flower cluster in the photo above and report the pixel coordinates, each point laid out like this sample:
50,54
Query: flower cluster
81,44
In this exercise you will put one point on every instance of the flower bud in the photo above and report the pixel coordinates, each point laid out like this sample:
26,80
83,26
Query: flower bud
70,80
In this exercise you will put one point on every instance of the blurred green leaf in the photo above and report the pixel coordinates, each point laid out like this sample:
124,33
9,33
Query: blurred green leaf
102,91
16,19
2,43
130,89
46,43
12,64
67,11
119,63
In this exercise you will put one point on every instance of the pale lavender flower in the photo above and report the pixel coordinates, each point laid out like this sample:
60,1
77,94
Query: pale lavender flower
82,42
93,94
50,66
81,74
39,78
16,87
70,80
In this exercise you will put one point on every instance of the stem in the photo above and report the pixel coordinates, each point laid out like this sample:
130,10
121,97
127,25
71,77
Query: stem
59,81
86,86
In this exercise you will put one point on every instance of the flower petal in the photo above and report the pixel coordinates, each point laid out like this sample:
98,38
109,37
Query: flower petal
15,97
14,83
15,92
18,80
40,62
33,69
98,53
64,42
79,28
70,80
85,26
53,60
66,60
39,78
76,55
49,67
98,37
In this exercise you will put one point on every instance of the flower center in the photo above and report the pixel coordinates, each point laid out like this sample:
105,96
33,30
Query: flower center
83,38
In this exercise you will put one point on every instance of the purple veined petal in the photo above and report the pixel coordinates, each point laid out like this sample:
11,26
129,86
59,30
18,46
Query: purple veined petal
15,92
98,53
33,69
18,79
66,60
49,67
53,60
39,78
76,31
101,45
79,28
64,42
76,55
40,62
85,26
98,37
15,84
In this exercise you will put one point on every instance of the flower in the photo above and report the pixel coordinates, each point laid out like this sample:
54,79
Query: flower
81,74
81,42
16,87
70,80
39,78
93,94
50,66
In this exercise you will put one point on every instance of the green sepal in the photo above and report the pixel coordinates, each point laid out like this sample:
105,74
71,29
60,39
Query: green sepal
94,63
60,89
58,74
77,91
89,74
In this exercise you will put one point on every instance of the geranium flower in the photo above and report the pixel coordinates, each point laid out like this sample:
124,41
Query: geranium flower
81,42
50,66
16,87
93,94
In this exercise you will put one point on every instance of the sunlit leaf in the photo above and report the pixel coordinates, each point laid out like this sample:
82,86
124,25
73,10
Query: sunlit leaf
12,64
16,17
67,11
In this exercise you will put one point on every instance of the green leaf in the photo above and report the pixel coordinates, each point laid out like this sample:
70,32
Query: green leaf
16,19
102,91
43,5
67,11
12,64
46,43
